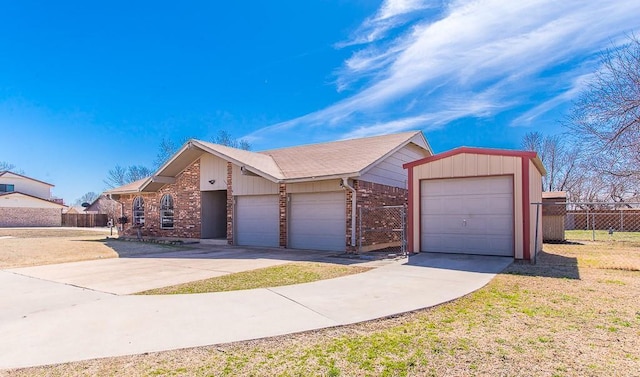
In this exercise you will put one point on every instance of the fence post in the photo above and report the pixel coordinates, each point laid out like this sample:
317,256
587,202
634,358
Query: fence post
593,226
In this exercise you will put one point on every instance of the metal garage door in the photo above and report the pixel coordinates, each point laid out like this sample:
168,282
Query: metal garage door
257,220
467,215
317,221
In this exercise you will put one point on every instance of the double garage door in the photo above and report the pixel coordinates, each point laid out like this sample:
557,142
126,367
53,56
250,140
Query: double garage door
467,215
317,221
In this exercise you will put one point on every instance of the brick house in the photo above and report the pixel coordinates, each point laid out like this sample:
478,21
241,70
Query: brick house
25,201
302,197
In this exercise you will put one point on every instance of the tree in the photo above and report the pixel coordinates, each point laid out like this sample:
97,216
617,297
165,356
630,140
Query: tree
137,172
225,138
562,163
5,166
89,197
168,147
606,116
116,177
119,176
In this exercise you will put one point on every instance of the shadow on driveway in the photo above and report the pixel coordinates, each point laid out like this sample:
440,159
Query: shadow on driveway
135,249
460,262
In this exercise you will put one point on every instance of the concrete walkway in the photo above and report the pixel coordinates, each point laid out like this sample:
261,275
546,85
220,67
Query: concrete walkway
44,322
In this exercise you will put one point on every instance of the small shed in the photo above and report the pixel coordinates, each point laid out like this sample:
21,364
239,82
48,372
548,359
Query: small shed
475,201
554,211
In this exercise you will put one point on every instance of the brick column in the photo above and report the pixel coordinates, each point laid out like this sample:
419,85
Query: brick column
283,206
229,203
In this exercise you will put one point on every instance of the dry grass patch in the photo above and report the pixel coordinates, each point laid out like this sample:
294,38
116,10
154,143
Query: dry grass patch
275,276
52,232
34,247
530,321
616,255
41,246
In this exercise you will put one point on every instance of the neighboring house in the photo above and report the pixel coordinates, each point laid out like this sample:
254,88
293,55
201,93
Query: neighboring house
10,182
26,201
105,205
303,197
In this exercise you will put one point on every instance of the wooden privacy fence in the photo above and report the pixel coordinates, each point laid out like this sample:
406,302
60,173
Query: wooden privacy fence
84,220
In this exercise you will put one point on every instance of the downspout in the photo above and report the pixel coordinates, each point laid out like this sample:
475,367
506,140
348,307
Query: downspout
345,183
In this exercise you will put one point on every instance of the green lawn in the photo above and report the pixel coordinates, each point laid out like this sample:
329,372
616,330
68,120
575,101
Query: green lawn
602,235
275,276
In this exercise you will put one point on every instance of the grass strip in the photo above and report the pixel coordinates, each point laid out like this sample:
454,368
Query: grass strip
274,276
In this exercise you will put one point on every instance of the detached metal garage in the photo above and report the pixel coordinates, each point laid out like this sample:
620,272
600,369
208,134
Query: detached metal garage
475,201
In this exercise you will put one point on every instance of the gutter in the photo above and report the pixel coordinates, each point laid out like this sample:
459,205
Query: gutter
345,184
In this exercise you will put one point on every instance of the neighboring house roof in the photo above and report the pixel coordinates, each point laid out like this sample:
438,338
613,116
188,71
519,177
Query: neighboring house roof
345,158
17,195
75,209
103,203
554,195
6,172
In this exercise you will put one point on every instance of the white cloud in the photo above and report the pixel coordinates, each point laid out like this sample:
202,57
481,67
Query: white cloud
488,55
577,85
392,14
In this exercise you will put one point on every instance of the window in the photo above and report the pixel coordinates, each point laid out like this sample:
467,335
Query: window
6,188
166,212
138,211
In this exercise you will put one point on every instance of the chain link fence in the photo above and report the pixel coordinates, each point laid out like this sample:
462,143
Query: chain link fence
382,229
566,221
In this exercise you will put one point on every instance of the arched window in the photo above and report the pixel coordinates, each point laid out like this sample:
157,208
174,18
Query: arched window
138,211
166,212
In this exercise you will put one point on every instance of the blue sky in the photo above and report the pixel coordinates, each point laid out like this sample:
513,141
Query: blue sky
85,86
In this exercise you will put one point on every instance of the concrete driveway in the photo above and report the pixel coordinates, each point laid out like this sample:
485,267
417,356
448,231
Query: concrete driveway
45,322
147,271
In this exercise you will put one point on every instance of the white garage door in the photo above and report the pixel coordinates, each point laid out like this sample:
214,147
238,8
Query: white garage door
317,221
467,215
257,220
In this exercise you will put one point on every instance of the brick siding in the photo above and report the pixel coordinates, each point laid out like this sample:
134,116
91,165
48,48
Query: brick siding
282,204
22,216
187,205
370,196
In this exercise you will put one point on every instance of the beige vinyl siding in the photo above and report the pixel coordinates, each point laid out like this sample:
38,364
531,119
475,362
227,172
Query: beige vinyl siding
27,186
472,165
535,196
389,171
17,200
251,185
212,167
317,186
